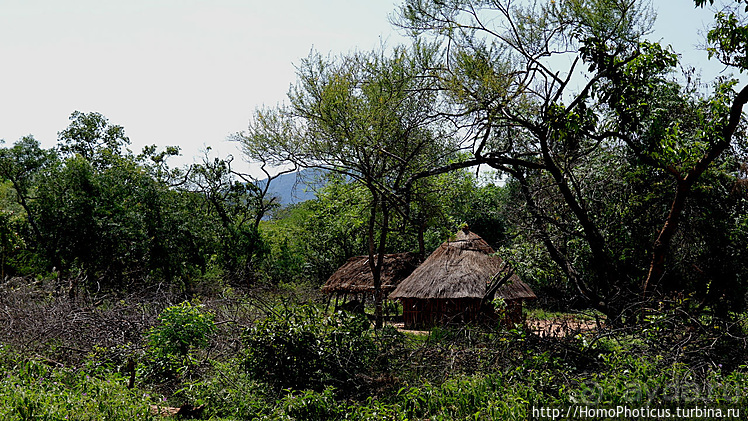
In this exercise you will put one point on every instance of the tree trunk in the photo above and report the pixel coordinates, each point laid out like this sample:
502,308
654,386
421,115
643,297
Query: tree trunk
662,243
604,271
683,190
380,263
421,242
377,250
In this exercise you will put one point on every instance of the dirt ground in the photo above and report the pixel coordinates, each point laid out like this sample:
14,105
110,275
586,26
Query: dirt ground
555,328
560,328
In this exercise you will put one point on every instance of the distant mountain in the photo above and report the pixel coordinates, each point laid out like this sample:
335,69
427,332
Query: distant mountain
294,187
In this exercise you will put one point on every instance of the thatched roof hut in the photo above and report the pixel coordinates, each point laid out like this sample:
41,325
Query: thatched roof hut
455,282
355,276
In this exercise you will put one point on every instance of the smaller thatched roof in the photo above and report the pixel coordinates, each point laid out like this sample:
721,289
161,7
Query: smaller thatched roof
355,275
515,289
461,267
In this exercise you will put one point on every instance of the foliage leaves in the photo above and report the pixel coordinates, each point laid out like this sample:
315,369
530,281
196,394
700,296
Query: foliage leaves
300,348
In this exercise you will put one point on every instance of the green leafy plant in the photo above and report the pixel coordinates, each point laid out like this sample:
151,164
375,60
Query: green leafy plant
181,329
313,406
301,348
499,306
227,391
32,390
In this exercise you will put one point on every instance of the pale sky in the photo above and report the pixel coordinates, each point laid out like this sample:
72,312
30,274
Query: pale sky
191,72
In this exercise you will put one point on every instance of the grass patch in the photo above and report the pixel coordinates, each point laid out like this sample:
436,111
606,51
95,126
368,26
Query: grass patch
32,390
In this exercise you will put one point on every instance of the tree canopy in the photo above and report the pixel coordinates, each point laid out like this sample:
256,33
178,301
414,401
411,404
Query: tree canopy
573,103
373,118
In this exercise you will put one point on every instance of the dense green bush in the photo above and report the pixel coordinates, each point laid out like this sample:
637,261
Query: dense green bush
301,363
181,329
302,348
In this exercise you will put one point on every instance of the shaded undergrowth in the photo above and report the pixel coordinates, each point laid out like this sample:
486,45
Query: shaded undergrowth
263,355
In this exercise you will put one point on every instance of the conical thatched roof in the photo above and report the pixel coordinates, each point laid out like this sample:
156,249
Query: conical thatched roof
355,275
460,268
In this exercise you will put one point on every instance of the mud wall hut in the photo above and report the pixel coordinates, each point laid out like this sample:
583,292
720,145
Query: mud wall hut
457,283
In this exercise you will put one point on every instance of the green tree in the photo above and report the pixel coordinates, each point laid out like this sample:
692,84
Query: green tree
556,137
235,204
528,119
310,240
93,138
93,210
13,223
101,221
367,116
21,165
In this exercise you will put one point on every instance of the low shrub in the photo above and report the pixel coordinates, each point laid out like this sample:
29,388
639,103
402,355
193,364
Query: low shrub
301,348
311,406
181,329
228,392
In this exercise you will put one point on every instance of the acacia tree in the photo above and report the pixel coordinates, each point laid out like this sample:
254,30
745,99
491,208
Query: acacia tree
370,117
546,87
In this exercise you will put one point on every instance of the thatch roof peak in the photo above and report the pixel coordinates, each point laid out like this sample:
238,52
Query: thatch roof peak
468,240
461,267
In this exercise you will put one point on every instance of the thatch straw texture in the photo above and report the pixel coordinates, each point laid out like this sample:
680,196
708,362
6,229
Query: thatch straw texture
355,275
460,268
